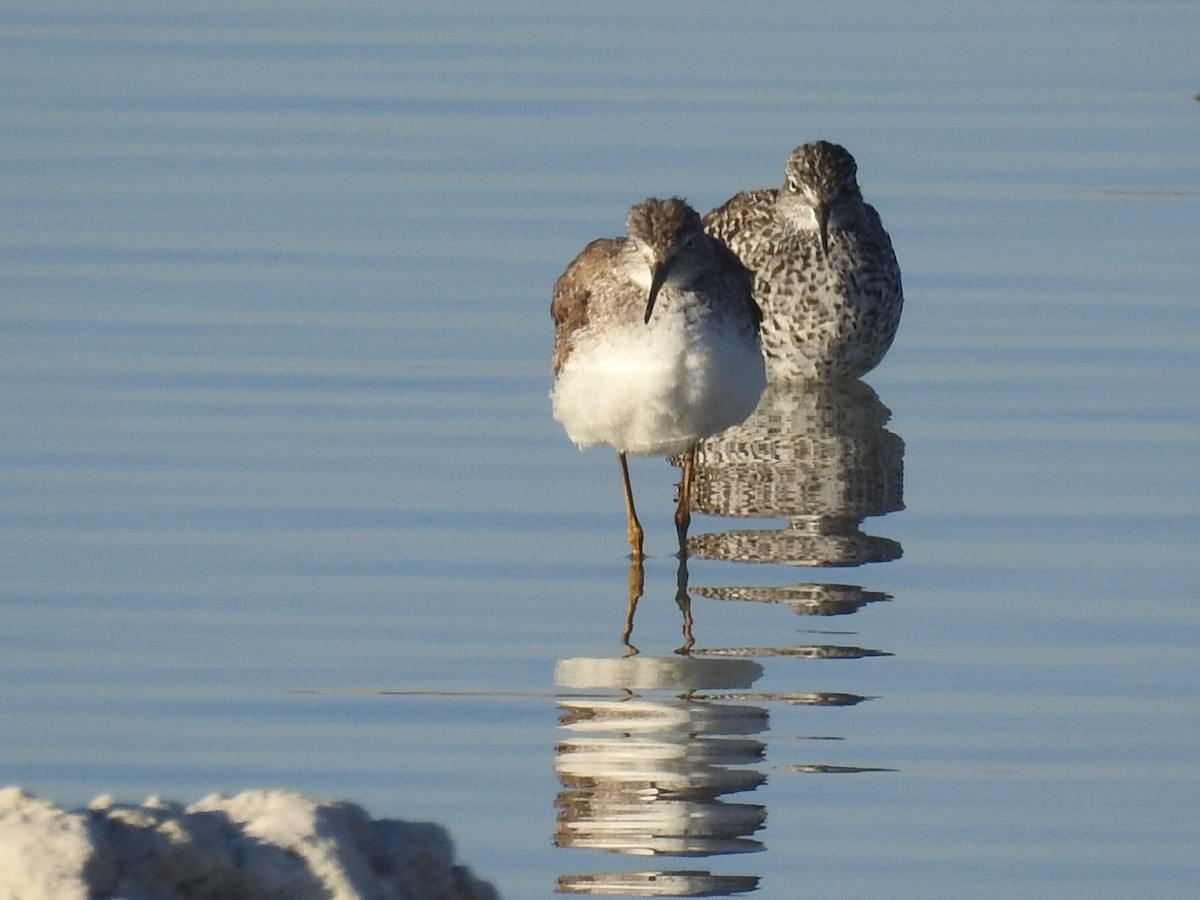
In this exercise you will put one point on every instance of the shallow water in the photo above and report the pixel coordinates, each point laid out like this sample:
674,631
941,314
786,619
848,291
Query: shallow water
282,504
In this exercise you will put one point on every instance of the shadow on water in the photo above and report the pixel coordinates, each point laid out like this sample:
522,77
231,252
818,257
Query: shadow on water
646,767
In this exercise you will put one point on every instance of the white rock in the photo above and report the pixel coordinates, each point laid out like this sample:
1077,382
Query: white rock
43,850
258,845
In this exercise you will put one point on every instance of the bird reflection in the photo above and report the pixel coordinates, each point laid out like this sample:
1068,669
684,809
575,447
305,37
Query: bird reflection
646,768
657,884
815,454
803,599
683,601
646,772
648,775
818,455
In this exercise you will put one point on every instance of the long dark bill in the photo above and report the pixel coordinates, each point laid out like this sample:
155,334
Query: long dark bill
658,278
823,226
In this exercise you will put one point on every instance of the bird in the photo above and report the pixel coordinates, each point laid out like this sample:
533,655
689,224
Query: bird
656,345
825,273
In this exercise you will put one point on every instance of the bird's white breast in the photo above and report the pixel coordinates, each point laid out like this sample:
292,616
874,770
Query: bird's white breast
661,387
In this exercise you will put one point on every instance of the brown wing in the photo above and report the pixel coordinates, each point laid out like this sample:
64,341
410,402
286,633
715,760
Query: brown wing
573,291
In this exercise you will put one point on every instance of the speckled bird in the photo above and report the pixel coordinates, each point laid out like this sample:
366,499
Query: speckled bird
656,345
825,273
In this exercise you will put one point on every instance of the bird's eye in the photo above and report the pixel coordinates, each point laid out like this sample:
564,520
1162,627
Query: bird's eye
793,185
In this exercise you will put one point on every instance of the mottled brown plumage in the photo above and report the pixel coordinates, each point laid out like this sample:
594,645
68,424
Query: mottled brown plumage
825,273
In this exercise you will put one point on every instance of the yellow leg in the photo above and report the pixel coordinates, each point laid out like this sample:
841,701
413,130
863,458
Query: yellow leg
683,509
634,527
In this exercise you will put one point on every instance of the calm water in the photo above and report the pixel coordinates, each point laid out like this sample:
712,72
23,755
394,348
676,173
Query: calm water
282,504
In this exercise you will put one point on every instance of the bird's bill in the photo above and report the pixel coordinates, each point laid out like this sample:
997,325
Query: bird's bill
658,277
823,210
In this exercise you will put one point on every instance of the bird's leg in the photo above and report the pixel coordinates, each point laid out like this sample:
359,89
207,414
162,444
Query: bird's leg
634,527
683,509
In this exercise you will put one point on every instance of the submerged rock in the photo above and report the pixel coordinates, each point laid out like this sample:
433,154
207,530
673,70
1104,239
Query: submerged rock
257,845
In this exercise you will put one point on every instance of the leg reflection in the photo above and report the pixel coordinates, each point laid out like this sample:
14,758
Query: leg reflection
637,582
684,601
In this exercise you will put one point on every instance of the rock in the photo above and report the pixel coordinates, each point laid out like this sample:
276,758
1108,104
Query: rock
257,845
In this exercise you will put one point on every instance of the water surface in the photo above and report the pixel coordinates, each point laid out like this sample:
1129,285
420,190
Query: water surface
282,504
